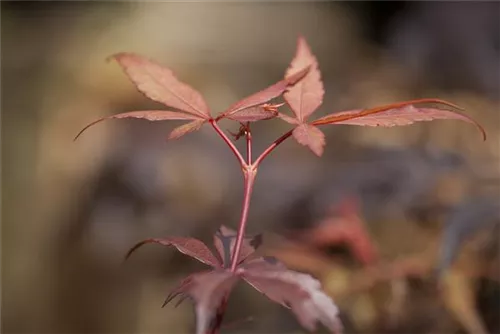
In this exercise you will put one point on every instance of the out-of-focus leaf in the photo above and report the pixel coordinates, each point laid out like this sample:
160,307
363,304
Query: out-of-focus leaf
267,94
307,95
150,115
343,226
186,128
189,246
348,207
402,113
465,222
297,291
225,240
208,290
160,84
257,113
310,136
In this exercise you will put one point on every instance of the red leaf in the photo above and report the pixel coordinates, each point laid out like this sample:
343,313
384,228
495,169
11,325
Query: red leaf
307,95
295,290
150,115
186,128
257,113
225,241
209,291
402,113
189,246
267,94
310,136
348,207
160,84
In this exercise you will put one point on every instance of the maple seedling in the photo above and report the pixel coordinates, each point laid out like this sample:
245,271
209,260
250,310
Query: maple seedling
302,90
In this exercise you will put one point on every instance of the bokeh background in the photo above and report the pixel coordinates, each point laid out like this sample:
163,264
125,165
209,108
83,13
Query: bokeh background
70,210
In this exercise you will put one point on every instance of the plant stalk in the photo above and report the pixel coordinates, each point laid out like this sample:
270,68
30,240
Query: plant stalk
249,173
249,176
248,135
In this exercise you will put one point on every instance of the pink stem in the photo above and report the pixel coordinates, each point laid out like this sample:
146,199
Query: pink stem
228,142
248,135
249,175
271,148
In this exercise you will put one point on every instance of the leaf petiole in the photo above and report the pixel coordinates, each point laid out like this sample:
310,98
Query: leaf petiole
228,141
271,148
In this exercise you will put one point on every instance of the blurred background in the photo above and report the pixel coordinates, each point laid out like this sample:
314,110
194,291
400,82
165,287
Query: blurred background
427,192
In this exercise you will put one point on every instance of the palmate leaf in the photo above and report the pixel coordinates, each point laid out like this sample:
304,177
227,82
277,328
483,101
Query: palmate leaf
307,95
210,290
401,113
160,84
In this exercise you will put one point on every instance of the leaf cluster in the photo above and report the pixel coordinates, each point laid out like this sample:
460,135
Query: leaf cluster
302,91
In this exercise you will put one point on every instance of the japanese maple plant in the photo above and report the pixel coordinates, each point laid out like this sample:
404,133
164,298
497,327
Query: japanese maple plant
235,260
